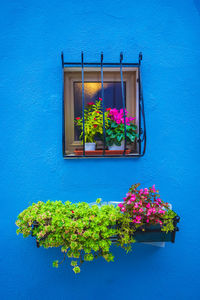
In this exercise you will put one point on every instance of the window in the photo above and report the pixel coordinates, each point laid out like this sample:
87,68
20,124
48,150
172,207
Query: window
92,91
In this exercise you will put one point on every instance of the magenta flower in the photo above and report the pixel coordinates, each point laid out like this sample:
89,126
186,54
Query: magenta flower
136,205
148,205
141,210
118,116
133,197
120,205
129,202
137,219
90,103
146,191
153,188
141,192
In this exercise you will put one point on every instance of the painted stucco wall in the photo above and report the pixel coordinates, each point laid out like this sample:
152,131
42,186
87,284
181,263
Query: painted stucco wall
32,35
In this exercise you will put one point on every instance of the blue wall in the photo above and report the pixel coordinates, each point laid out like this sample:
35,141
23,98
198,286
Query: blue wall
33,33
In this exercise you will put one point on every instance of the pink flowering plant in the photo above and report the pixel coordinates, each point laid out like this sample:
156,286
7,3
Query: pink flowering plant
93,121
145,207
115,132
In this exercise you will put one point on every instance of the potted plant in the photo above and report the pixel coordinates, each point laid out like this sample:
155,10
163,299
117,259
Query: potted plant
93,124
115,134
85,232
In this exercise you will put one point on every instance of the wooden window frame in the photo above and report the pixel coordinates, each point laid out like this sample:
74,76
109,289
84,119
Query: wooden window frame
93,74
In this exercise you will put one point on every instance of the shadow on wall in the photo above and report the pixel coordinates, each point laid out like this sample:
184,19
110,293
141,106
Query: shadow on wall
197,5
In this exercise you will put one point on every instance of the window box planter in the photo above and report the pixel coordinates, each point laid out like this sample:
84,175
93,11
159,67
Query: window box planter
153,233
79,152
86,231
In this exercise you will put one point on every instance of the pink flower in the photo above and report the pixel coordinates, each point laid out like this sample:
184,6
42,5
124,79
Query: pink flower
90,103
118,116
158,200
136,205
123,209
161,211
129,202
146,191
133,197
147,220
153,188
141,191
77,118
137,219
100,99
134,210
120,205
141,210
140,203
148,213
148,205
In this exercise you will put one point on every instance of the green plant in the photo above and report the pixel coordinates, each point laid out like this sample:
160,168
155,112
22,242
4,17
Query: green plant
82,231
93,121
115,132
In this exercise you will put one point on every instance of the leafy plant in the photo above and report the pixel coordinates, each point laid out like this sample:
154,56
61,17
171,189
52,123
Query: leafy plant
115,132
85,232
82,231
93,121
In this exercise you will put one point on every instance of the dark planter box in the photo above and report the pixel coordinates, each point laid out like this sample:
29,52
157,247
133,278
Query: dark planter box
153,233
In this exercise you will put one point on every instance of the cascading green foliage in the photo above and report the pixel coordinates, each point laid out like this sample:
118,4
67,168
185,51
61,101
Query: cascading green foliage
84,232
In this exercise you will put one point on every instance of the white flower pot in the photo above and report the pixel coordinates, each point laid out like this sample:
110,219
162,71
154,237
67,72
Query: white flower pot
90,146
115,147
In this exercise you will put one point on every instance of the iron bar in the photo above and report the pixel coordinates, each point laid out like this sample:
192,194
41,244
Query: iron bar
103,105
63,106
141,113
99,64
123,102
83,103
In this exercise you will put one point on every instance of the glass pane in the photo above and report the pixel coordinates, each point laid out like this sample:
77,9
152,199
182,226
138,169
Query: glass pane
92,92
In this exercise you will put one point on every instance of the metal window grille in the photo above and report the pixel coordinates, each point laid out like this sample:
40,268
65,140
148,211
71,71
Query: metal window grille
142,124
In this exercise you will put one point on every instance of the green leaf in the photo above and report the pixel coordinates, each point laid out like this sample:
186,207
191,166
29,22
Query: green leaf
55,264
76,270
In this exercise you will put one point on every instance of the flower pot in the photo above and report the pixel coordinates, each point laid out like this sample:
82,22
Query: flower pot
90,146
115,147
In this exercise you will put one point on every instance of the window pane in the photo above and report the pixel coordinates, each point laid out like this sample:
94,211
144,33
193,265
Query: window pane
92,92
